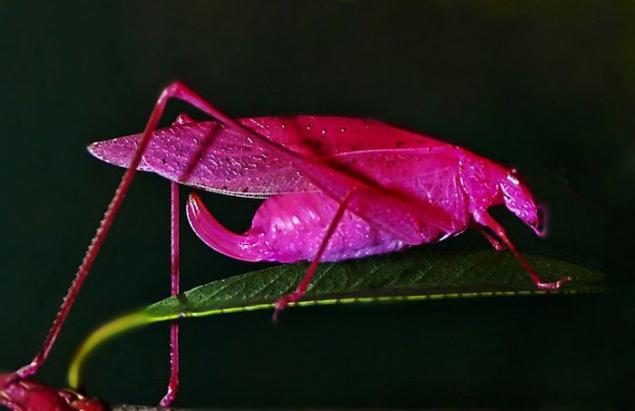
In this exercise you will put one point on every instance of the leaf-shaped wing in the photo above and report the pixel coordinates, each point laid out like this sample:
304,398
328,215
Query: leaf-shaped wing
230,163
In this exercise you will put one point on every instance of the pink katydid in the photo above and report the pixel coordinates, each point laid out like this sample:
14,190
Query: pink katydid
336,188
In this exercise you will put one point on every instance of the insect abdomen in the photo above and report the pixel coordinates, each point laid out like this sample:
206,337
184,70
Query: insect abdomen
291,228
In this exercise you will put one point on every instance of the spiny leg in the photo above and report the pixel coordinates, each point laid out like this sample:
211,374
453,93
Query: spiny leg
308,276
180,91
100,236
403,221
488,221
173,383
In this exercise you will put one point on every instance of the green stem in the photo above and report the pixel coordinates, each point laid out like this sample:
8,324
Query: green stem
101,335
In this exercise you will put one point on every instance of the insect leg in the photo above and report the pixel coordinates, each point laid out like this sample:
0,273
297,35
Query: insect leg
173,383
498,246
488,221
99,238
308,276
397,216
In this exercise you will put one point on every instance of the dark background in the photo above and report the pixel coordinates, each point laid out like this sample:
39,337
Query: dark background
548,87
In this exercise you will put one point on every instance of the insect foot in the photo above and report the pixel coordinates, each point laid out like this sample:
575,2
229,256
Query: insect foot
283,302
555,285
22,394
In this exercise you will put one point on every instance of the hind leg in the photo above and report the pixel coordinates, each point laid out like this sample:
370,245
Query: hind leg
172,91
173,383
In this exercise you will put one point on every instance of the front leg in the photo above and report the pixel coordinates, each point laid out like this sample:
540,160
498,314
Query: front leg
483,218
498,246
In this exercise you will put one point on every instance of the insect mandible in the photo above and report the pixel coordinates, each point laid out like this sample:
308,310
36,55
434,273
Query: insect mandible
335,188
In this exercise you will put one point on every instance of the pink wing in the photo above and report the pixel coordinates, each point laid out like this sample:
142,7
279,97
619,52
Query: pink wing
429,174
323,136
228,164
231,164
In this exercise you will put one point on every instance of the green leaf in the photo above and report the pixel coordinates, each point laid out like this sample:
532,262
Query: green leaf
419,274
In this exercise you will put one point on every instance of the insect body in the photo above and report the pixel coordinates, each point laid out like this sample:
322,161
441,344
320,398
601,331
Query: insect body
335,188
458,185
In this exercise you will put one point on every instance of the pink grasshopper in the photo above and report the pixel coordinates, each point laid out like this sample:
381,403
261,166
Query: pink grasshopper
335,188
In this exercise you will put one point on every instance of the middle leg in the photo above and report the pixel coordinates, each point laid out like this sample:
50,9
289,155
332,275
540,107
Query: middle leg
308,276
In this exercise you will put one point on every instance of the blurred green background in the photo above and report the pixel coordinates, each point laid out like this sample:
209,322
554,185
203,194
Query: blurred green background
548,87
